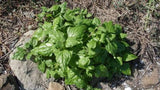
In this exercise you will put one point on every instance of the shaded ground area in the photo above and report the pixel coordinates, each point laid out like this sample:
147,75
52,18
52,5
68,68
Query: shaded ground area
140,20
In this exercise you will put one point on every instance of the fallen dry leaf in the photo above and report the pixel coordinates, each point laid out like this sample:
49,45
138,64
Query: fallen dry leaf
1,53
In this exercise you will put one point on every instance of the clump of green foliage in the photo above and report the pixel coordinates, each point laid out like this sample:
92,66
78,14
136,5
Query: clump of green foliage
73,45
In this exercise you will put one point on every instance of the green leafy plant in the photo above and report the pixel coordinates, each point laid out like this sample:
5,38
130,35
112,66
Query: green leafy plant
73,45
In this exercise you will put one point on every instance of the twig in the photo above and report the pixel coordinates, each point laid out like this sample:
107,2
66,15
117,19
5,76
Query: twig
68,88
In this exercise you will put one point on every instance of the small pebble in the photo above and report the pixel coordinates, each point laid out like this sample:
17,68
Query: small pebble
157,5
127,88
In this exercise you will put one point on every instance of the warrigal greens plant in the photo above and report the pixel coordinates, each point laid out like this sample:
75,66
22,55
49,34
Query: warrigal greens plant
74,45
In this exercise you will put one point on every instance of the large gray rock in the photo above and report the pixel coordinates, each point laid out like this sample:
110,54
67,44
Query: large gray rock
27,71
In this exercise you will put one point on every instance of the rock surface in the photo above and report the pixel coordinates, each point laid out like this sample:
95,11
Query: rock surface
3,79
29,75
55,86
27,71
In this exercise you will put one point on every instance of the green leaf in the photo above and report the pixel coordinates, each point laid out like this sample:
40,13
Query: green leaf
120,60
51,73
42,66
103,29
89,15
111,47
125,69
49,63
28,45
74,77
67,24
101,56
58,22
44,49
46,26
19,55
63,58
44,9
98,32
63,7
112,36
58,38
128,57
60,72
38,59
75,35
125,43
96,21
84,11
68,15
48,15
87,22
41,15
48,73
29,55
103,37
118,28
76,32
70,42
38,36
101,71
83,62
91,53
123,35
109,26
78,20
96,38
53,8
89,71
91,30
54,74
121,47
91,44
82,52
34,42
